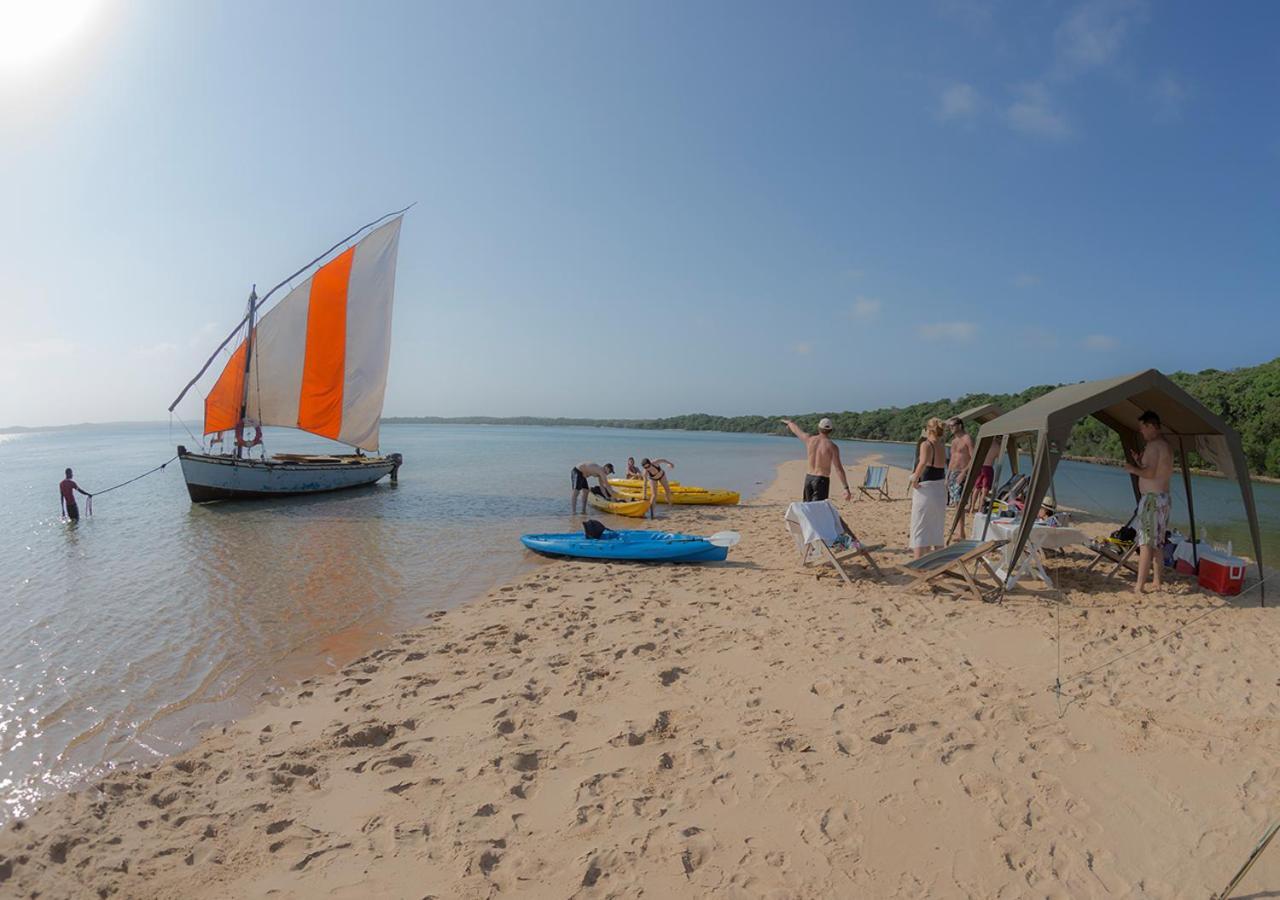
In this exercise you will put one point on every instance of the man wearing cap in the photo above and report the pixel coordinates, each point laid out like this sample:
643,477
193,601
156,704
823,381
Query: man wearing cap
823,454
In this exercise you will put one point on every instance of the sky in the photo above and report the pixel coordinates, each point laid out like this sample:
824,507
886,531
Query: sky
644,209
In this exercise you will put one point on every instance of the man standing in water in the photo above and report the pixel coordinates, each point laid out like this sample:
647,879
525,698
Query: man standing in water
578,481
66,491
823,454
1153,468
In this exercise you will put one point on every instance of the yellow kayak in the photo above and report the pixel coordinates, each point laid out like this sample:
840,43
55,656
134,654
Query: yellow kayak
685,496
623,506
638,484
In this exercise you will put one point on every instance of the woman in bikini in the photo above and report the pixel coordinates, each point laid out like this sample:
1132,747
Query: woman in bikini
655,474
632,470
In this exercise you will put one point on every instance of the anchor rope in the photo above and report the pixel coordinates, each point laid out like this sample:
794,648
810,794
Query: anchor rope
92,494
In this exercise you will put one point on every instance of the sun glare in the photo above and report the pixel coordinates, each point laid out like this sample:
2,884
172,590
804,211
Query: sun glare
33,30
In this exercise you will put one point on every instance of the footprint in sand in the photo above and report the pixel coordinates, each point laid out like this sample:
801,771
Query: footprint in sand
672,675
848,740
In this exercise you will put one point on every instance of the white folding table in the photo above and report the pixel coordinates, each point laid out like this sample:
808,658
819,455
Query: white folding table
1042,537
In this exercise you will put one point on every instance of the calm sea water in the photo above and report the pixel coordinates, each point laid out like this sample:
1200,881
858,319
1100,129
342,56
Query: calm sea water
125,635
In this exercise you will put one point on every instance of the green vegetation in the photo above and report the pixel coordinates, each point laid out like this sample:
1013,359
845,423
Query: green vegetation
1248,398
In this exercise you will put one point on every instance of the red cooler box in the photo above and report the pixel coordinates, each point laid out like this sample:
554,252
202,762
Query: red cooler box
1221,573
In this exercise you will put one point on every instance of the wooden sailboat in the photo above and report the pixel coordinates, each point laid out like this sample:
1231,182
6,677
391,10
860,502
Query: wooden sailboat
316,361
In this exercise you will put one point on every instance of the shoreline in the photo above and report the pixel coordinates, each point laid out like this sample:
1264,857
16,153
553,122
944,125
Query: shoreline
588,729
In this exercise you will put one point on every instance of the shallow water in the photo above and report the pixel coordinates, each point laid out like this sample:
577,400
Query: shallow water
127,634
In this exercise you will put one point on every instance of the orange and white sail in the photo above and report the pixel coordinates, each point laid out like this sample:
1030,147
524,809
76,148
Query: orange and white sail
320,355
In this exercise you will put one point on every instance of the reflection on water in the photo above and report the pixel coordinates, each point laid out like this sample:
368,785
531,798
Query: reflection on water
125,635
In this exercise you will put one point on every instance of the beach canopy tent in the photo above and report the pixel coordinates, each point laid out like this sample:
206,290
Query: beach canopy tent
1046,423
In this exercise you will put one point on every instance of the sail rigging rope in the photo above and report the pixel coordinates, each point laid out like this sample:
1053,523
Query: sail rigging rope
92,494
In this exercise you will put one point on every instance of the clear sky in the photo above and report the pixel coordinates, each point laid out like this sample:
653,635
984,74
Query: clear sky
649,208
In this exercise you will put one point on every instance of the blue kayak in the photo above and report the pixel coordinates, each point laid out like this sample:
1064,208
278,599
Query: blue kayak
657,546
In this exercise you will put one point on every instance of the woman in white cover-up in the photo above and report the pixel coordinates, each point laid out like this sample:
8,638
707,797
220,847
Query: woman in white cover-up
929,492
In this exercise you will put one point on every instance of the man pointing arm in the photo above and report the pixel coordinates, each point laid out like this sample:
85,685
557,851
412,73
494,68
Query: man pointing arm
822,455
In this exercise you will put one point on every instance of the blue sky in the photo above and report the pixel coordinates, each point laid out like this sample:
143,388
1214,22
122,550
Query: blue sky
654,208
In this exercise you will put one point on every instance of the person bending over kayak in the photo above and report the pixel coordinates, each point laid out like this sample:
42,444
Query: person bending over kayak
578,481
823,454
655,475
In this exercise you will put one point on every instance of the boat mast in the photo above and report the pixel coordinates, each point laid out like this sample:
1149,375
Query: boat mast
248,357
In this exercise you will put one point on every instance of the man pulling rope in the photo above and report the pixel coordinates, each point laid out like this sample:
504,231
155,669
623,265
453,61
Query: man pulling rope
66,491
67,488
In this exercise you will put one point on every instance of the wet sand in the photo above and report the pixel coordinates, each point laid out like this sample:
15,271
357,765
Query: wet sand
743,729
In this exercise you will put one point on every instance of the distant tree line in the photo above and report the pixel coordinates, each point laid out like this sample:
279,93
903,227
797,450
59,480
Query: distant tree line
1248,399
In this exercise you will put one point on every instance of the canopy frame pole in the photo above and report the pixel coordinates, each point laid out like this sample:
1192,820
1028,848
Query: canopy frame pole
966,493
1191,506
1042,470
995,482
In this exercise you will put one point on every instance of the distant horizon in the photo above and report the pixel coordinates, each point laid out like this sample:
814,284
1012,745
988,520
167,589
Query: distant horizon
15,428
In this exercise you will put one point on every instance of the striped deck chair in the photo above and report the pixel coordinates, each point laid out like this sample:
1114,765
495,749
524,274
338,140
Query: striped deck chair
958,570
875,484
820,532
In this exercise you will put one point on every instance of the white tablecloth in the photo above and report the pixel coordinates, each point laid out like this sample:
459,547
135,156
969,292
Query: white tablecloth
1042,537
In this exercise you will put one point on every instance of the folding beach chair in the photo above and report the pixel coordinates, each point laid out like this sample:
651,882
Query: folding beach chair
1115,550
1118,553
820,532
875,484
958,569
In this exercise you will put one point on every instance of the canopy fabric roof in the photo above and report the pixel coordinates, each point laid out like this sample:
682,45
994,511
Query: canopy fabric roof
1118,403
984,413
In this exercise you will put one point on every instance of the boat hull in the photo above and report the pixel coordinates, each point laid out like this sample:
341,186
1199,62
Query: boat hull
211,478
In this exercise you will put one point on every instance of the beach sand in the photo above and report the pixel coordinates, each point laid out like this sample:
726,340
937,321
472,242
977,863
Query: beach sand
747,729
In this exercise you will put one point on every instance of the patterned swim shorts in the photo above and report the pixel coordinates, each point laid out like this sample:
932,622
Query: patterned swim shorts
1153,519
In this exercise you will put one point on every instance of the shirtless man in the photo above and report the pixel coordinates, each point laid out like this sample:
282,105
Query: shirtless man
958,464
823,455
1153,468
66,490
961,459
578,481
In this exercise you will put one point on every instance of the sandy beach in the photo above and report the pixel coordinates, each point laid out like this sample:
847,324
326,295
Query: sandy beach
746,729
